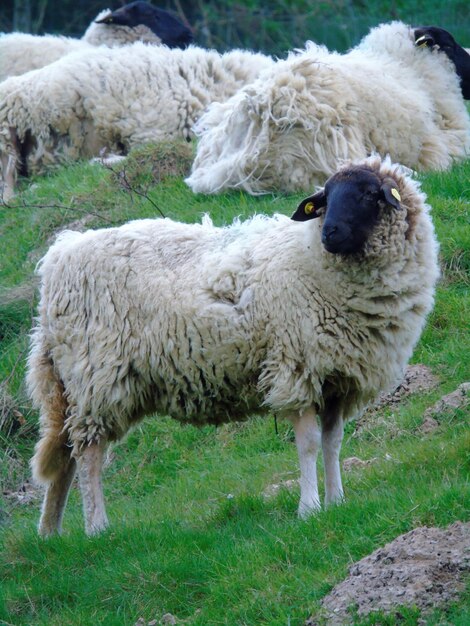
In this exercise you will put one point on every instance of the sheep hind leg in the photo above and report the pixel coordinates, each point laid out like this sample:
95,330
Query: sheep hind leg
55,499
331,439
90,463
307,439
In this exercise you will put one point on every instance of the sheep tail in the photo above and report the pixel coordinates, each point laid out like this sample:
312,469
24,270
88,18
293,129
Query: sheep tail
51,453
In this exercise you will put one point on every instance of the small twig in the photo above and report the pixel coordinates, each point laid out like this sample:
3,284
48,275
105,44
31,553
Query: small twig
129,187
64,207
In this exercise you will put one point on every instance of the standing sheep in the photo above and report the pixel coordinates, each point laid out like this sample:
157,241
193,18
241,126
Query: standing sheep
399,92
138,21
208,325
112,98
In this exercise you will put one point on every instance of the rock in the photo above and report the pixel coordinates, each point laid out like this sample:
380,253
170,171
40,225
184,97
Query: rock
428,426
272,490
353,462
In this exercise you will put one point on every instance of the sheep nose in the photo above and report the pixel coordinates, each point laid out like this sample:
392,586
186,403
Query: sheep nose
329,233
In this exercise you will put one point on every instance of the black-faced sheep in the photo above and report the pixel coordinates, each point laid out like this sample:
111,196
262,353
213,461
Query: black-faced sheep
143,22
209,324
138,21
399,92
112,98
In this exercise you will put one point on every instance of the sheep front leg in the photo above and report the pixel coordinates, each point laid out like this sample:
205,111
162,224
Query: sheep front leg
307,439
331,439
90,463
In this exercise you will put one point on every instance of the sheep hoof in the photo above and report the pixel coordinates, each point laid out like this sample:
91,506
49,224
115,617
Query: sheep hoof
307,510
97,528
334,501
46,532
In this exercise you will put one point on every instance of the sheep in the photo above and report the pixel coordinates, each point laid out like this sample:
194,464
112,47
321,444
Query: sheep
138,21
396,93
207,325
112,98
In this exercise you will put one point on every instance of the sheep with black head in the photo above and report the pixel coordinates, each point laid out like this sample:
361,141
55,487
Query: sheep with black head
312,319
400,92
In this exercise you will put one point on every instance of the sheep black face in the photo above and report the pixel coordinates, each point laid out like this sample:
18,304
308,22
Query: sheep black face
432,36
351,203
171,31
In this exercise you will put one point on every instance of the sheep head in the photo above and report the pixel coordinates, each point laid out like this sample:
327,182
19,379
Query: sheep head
171,31
438,38
350,204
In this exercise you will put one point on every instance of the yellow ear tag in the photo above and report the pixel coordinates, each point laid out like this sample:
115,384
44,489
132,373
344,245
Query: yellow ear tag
423,42
309,208
395,194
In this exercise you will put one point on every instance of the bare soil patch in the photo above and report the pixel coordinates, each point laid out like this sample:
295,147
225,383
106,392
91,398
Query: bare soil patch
423,568
418,378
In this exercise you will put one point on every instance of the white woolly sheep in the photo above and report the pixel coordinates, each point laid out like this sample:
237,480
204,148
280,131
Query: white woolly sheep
294,126
112,98
138,21
209,324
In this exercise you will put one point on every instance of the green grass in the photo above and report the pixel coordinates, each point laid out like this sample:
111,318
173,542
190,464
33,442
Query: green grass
191,533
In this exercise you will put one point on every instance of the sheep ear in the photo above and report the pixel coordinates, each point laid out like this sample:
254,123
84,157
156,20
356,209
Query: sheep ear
309,208
107,19
424,41
391,194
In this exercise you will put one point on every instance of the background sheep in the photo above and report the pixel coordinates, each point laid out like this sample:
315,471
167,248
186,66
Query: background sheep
293,126
114,98
210,324
138,21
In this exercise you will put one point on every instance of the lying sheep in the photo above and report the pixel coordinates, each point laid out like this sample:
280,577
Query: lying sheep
399,92
112,98
138,21
209,324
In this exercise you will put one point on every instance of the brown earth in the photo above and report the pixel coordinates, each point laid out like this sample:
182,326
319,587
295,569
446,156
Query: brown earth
423,568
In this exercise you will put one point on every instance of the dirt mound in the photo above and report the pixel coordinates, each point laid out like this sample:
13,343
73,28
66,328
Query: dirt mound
422,568
458,399
417,378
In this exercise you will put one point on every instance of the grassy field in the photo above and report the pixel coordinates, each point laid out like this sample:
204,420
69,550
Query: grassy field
191,533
